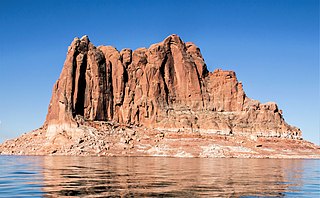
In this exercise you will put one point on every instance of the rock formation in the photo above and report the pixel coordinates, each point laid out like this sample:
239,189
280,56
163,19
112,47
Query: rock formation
160,101
165,87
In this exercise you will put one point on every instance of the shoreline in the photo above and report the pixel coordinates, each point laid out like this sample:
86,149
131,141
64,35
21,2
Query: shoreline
143,142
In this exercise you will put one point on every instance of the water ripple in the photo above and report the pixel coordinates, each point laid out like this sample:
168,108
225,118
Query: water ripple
53,176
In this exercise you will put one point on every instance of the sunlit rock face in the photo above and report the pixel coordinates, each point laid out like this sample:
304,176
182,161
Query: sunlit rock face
166,86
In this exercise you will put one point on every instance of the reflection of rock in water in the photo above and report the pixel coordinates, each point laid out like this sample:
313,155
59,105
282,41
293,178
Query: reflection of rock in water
126,177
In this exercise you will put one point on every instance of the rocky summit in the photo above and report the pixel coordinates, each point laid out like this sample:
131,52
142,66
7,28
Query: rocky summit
156,101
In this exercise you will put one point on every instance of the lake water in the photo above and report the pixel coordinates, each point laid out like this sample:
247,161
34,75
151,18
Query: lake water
53,176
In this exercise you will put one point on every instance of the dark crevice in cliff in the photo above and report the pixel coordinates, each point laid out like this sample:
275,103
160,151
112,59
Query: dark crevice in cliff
109,91
125,80
163,75
101,111
73,74
172,78
79,106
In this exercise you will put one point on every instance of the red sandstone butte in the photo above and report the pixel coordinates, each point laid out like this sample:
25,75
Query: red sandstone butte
160,101
166,86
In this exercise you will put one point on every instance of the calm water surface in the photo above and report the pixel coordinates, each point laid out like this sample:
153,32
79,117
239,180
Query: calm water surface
51,176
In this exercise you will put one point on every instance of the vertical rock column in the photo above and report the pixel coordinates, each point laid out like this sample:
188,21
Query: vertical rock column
83,88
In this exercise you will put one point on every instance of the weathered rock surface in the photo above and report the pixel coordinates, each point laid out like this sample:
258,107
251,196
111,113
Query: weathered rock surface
106,139
156,101
166,86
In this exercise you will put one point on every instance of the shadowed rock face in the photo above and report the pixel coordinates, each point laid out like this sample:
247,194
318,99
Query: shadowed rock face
166,86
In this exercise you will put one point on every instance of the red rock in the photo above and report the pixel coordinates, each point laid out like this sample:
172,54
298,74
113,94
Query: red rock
165,86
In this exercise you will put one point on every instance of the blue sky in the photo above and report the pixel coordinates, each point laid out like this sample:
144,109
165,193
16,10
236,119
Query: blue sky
272,45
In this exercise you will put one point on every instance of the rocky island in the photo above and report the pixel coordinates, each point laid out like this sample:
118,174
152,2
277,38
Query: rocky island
156,101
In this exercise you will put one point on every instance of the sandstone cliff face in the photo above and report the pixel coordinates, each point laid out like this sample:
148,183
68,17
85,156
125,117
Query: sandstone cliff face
166,86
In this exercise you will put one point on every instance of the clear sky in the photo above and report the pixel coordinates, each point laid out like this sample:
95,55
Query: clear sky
272,45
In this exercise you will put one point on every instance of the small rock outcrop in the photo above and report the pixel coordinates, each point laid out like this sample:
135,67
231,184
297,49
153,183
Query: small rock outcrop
165,87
